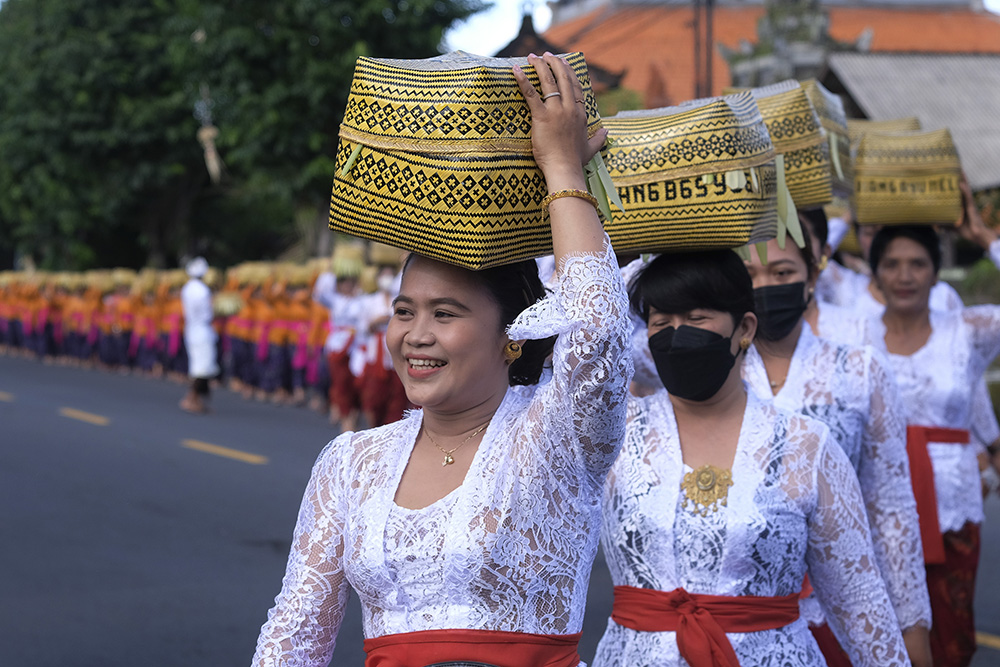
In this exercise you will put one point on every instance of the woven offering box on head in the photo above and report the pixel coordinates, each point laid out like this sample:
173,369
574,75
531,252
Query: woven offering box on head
830,109
798,134
907,178
857,127
694,177
435,157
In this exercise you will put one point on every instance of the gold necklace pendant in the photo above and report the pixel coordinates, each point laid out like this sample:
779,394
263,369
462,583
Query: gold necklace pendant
707,487
448,458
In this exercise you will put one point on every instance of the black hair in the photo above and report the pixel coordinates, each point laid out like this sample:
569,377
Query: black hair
817,222
515,287
682,282
925,236
806,251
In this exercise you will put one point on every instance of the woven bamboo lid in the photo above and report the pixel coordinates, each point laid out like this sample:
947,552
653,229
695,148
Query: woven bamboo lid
830,109
454,103
857,127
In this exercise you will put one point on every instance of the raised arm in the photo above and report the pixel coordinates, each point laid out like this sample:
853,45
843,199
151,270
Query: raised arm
561,148
301,629
843,568
588,309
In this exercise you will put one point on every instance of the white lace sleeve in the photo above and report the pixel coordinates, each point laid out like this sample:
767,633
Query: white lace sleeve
984,326
985,429
301,628
994,253
591,360
884,476
843,570
646,380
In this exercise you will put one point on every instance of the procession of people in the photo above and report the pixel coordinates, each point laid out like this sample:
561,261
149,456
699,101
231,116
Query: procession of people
274,332
566,332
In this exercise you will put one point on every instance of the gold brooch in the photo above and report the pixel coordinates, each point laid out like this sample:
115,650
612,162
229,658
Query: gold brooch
706,487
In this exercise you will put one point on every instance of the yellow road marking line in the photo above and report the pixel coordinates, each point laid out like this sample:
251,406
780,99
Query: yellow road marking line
228,453
988,640
6,397
88,417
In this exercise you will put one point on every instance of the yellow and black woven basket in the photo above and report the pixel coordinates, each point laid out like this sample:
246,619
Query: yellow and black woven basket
830,109
435,157
907,178
695,177
798,134
857,127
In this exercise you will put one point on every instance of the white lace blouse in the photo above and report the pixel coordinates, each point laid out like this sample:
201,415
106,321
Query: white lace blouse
794,504
851,390
511,549
936,384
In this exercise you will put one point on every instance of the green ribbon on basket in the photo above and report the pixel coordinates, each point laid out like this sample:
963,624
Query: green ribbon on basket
744,252
350,161
788,217
835,155
762,252
600,185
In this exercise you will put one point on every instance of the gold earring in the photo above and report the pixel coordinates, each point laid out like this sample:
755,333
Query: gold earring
512,351
823,261
745,344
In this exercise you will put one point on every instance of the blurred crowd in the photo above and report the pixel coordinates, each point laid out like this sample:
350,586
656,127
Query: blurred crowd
293,334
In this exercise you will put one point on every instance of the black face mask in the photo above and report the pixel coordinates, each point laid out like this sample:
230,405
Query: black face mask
779,309
692,363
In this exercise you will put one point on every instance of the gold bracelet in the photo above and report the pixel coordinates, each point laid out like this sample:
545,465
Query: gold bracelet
571,192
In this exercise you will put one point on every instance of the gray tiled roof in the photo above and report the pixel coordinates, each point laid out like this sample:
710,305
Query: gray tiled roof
957,91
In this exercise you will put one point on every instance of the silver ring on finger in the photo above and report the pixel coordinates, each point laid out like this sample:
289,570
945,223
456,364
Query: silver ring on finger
556,94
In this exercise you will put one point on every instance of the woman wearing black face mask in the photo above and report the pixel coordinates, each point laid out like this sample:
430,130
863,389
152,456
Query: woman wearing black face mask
719,500
851,390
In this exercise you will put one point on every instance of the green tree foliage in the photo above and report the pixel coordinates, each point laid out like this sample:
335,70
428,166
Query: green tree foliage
100,105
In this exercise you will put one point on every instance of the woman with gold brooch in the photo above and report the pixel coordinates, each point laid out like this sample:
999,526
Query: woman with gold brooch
720,501
468,528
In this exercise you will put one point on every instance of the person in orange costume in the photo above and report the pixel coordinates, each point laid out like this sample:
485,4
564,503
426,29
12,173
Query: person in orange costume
144,346
90,320
296,316
275,381
173,355
240,329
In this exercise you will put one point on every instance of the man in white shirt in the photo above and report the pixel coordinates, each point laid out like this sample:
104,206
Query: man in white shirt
199,336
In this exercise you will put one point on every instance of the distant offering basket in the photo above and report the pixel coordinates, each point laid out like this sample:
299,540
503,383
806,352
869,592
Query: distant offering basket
907,178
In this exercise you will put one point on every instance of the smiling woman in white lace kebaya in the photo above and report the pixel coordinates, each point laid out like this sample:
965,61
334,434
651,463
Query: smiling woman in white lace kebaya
468,528
720,501
937,358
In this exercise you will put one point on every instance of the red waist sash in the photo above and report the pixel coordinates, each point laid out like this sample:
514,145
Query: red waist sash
701,621
922,478
503,649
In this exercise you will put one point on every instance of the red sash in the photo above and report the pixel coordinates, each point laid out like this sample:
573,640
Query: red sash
701,621
503,649
922,478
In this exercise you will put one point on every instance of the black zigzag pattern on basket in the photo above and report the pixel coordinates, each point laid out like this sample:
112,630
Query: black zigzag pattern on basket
466,104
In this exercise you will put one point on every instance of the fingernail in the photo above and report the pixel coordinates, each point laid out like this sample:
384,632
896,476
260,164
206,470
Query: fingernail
517,68
532,55
548,53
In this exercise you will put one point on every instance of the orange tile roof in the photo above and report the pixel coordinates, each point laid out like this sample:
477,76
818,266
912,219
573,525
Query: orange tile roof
655,44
